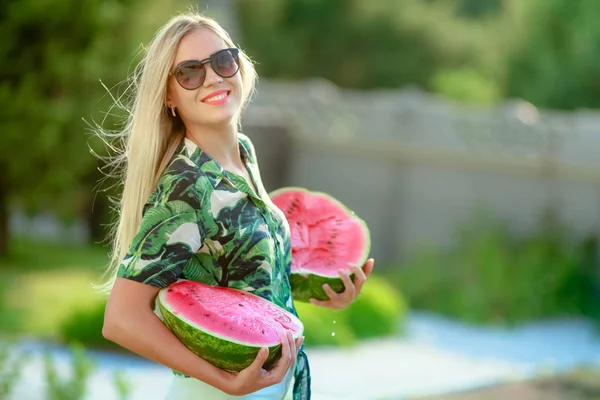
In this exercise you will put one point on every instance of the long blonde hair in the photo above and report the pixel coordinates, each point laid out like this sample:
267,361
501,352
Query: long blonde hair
151,135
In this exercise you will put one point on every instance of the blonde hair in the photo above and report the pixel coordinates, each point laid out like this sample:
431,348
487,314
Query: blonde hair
151,134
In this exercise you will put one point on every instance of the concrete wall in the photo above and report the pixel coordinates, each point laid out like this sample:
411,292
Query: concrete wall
418,169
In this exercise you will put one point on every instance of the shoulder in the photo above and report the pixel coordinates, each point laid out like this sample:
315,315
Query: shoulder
177,182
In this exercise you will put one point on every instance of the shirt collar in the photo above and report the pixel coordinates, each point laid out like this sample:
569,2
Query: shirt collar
208,165
206,162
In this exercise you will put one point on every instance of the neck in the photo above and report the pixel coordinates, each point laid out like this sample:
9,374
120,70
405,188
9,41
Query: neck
220,142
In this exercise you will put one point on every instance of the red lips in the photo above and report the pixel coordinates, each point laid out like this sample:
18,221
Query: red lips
215,93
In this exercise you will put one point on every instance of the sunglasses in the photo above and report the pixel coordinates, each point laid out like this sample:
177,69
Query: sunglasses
191,74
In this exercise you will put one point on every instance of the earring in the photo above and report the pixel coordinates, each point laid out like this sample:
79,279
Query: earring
173,111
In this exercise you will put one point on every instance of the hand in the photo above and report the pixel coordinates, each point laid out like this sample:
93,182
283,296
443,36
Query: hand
338,301
255,377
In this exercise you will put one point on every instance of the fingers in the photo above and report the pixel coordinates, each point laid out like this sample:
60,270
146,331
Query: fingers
293,350
331,294
368,267
283,364
360,278
260,359
299,342
349,290
322,303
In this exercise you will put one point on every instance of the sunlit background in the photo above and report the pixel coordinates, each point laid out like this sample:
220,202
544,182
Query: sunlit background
465,132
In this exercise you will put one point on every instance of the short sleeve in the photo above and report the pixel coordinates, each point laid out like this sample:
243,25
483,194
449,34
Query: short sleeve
167,237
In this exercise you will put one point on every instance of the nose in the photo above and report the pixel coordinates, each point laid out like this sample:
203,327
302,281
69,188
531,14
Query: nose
211,76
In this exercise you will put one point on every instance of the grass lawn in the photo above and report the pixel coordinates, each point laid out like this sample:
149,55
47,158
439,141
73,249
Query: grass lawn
43,283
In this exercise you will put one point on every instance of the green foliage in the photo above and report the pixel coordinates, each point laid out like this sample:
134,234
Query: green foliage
479,51
122,385
557,62
379,311
59,52
467,85
73,387
11,364
85,326
358,44
324,327
10,318
490,276
478,8
36,256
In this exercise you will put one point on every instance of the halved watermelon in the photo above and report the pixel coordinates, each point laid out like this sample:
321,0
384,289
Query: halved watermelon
227,327
326,236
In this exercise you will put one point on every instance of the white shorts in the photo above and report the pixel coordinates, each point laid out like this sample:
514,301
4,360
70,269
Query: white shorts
192,389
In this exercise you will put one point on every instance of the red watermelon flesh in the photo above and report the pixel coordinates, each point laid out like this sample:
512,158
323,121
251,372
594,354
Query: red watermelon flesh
231,313
325,235
225,326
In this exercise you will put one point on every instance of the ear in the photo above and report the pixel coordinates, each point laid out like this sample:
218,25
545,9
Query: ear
168,98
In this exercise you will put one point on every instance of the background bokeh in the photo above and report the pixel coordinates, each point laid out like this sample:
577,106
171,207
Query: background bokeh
465,132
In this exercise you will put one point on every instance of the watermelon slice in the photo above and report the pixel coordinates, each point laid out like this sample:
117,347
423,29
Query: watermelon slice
325,237
227,327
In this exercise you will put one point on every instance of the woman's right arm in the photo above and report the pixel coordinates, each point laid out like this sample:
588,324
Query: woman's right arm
130,322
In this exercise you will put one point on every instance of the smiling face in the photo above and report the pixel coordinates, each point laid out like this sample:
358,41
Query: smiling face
217,100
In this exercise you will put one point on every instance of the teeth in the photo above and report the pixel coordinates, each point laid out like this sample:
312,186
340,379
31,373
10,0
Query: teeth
217,97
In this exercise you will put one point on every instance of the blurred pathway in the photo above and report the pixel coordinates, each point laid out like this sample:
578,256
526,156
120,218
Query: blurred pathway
436,356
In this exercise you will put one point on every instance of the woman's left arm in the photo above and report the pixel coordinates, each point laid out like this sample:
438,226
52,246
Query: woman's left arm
338,301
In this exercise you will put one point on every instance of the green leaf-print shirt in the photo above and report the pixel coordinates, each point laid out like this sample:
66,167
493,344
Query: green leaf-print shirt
207,224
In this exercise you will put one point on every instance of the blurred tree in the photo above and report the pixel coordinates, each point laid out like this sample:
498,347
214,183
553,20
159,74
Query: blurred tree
478,8
472,8
54,55
353,43
556,64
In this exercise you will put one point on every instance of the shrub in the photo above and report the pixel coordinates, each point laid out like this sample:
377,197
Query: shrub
74,387
11,365
325,327
379,311
11,320
85,326
490,276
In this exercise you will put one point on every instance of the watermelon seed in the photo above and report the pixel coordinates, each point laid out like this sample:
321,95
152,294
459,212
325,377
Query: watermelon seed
207,315
263,331
240,304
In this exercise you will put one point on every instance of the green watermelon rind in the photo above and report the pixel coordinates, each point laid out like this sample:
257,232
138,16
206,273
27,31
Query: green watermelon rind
226,354
306,284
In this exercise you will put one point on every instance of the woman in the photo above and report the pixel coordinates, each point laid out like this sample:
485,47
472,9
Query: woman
194,207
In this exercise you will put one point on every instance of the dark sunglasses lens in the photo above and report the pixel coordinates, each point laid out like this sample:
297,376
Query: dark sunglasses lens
191,76
225,63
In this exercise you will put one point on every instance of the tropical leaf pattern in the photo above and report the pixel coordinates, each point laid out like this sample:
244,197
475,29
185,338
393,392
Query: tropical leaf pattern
207,224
